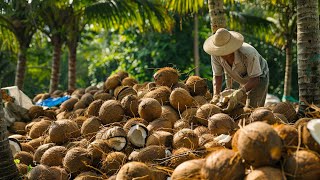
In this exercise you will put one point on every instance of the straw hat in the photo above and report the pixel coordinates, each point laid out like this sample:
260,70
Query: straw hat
223,42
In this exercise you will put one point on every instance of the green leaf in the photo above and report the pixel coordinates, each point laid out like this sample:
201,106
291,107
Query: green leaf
16,161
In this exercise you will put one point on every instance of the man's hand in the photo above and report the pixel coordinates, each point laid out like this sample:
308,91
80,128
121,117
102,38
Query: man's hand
233,99
215,99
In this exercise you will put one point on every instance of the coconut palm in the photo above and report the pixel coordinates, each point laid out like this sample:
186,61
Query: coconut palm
8,169
308,48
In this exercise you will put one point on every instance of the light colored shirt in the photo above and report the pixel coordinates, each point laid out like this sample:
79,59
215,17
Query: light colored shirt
248,63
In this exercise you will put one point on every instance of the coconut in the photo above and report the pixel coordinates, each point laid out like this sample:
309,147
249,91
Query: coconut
111,111
259,144
161,94
308,140
24,157
112,162
223,164
94,107
27,147
280,118
185,138
169,113
129,81
181,155
221,124
35,111
180,85
112,82
302,165
199,101
265,173
82,143
287,110
234,142
166,76
180,99
115,138
88,176
79,91
200,130
76,160
197,85
134,121
262,114
37,97
80,120
138,87
141,93
122,74
137,135
22,168
188,170
18,128
39,128
79,105
130,105
51,114
91,88
181,124
160,124
205,112
18,137
102,96
159,173
205,138
40,172
161,138
288,134
59,173
149,109
63,130
189,114
68,104
123,91
90,127
35,143
96,149
150,154
134,170
53,156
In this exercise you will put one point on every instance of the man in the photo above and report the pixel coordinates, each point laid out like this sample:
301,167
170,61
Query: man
242,62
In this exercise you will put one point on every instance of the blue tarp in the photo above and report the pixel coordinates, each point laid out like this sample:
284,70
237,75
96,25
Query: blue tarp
50,102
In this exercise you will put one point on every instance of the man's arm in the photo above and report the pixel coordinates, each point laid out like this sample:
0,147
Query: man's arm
252,83
217,85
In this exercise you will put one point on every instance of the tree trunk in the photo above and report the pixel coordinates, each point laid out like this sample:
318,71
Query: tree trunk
55,68
8,169
21,67
308,48
72,64
217,15
288,71
196,45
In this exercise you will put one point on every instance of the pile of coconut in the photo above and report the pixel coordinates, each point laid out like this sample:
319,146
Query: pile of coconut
159,130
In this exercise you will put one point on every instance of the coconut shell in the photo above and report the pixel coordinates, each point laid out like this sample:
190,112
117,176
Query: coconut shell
59,173
309,141
221,124
161,94
205,112
35,143
27,147
234,142
181,155
280,118
96,149
166,76
123,91
88,176
93,109
180,99
76,160
39,128
134,170
262,114
138,87
188,170
35,111
24,157
223,164
180,85
259,144
267,173
287,110
302,165
150,154
113,162
111,111
181,124
53,156
102,96
130,105
288,134
129,81
200,130
160,124
160,138
68,104
63,130
169,113
199,101
22,168
185,138
51,114
90,88
79,105
80,120
90,127
40,172
149,109
133,121
197,86
122,74
112,82
189,114
205,138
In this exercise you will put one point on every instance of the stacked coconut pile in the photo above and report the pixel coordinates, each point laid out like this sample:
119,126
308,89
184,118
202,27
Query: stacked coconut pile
162,129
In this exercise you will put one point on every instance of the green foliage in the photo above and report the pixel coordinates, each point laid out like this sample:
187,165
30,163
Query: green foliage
16,161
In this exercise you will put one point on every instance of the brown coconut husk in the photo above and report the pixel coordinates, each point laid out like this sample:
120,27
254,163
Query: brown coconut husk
150,154
134,121
51,114
53,156
160,124
200,130
181,155
308,140
90,127
24,157
97,149
63,130
169,113
27,147
35,111
103,96
134,170
180,85
130,105
129,81
35,143
112,82
205,138
59,173
22,168
287,110
188,170
160,138
205,112
113,162
89,175
94,107
68,104
180,99
221,123
80,120
77,160
189,114
79,105
41,150
181,124
161,94
40,172
111,111
166,76
123,91
39,128
185,138
266,173
197,85
149,109
199,101
122,74
87,98
18,128
288,134
262,114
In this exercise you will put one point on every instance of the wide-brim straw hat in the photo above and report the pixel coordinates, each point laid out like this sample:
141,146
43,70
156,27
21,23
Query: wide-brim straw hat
223,42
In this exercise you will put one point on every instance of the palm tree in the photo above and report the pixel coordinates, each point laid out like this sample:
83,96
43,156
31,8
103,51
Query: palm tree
16,16
308,47
8,169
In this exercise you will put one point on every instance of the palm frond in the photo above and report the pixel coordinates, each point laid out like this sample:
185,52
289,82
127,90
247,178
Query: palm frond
183,7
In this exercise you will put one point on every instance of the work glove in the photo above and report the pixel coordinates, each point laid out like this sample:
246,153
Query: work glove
233,99
215,99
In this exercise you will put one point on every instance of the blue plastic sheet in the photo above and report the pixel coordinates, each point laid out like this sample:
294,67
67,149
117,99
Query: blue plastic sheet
51,102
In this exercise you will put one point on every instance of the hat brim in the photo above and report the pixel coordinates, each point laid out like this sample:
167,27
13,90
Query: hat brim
234,44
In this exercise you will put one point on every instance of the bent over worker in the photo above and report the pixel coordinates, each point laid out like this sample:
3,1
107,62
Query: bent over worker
240,61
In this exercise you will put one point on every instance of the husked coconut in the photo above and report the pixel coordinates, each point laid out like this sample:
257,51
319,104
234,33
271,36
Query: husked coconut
125,91
87,98
200,130
288,134
234,142
40,172
129,81
115,138
96,149
77,160
24,157
205,138
111,111
166,76
189,114
39,128
35,143
62,131
259,144
51,114
134,170
280,118
27,147
59,173
89,175
80,120
262,114
53,156
122,74
102,96
205,112
199,101
150,154
180,99
68,104
137,135
287,110
94,107
169,113
223,164
185,138
160,138
112,82
90,127
188,170
197,85
181,124
40,151
308,140
130,105
149,109
113,162
181,155
22,168
221,123
161,94
267,173
133,121
160,124
35,111
18,128
79,105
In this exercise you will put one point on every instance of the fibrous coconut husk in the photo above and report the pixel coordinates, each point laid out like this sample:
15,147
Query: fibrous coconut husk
200,130
188,170
79,105
39,128
40,172
150,154
134,121
35,111
129,81
115,138
185,138
51,114
221,123
169,113
63,130
22,168
287,110
160,124
288,134
94,107
96,149
123,91
181,155
68,104
180,99
76,160
112,82
280,118
130,105
122,74
87,98
18,128
160,138
111,111
161,94
181,124
205,138
134,170
59,173
166,76
149,109
197,85
80,120
102,96
90,127
35,143
113,162
266,173
24,157
308,140
189,114
53,156
89,175
262,114
205,112
41,150
27,147
199,101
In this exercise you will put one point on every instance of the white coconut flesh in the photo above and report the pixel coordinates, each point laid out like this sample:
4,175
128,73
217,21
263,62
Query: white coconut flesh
137,135
223,138
117,143
314,129
14,146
